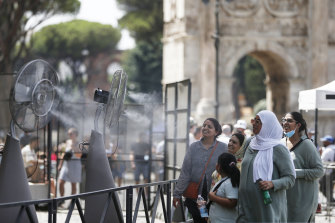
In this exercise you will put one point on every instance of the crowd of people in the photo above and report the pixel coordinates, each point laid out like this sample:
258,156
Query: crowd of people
233,168
271,175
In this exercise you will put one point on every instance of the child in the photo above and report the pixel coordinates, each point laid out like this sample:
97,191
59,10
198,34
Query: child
223,196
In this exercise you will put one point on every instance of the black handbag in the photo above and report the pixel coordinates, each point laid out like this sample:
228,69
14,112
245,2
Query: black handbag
208,205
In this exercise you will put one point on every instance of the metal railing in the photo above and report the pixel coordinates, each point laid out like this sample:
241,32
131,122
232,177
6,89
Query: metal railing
327,186
162,195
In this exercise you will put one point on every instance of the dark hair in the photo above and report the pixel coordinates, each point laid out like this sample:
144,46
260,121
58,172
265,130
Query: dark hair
217,126
240,137
33,138
227,164
197,130
297,116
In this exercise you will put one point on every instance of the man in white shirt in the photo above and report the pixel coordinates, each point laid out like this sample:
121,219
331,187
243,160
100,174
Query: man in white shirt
226,134
240,126
328,156
29,156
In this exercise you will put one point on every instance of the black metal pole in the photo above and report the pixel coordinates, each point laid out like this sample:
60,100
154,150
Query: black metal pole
49,145
217,48
316,129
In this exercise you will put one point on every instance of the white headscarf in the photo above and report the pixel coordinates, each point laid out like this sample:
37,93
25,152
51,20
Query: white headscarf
269,136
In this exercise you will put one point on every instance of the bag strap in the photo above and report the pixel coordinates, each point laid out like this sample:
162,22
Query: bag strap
219,184
215,188
203,172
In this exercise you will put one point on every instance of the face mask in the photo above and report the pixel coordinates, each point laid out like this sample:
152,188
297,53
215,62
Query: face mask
289,134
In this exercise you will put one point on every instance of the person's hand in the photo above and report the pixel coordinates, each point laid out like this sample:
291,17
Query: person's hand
265,185
176,202
133,165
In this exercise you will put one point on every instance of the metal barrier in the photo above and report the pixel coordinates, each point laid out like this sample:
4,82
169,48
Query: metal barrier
326,197
163,194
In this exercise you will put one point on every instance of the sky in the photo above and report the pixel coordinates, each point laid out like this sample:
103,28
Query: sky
102,11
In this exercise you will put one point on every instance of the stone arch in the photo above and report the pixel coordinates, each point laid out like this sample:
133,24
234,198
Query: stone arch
279,68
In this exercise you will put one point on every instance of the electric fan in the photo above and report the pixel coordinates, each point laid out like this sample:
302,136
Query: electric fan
111,102
98,173
31,101
33,96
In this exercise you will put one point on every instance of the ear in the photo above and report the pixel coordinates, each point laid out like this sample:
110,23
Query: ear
217,167
298,126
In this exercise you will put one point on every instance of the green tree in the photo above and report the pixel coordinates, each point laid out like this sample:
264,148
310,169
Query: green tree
72,41
69,39
143,64
254,81
15,26
144,20
14,17
250,77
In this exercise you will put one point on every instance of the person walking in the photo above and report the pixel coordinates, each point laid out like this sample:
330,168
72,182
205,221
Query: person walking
70,166
198,166
308,168
266,166
328,156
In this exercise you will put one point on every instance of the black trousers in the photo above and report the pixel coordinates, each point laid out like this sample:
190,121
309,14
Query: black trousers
193,209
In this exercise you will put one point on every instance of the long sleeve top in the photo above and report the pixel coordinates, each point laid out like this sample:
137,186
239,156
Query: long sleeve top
194,163
304,194
251,207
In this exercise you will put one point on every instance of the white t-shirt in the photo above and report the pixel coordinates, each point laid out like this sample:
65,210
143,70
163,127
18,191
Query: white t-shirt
328,156
217,213
28,155
223,138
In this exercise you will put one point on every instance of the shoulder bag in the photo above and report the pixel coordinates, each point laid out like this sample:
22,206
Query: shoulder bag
193,187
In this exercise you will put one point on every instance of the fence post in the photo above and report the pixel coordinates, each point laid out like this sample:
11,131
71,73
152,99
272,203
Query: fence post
129,204
168,202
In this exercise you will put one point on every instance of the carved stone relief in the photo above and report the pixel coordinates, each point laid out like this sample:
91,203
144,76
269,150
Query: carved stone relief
284,8
241,8
278,8
280,27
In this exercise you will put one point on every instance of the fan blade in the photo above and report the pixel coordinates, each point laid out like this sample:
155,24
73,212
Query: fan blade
40,67
119,100
29,121
116,102
22,93
42,121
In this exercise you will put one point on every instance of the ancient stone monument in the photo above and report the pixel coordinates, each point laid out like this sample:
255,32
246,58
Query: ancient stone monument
292,39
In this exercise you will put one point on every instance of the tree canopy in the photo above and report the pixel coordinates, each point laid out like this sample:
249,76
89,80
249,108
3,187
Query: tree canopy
14,17
144,20
72,39
250,77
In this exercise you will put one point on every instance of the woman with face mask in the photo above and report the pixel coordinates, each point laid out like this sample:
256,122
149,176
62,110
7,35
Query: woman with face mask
302,198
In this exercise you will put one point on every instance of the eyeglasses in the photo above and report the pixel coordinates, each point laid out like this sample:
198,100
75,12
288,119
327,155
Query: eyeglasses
256,121
289,120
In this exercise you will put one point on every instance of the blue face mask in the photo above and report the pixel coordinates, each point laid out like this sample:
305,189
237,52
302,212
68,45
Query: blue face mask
289,134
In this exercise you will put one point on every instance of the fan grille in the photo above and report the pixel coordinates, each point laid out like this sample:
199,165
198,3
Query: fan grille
34,95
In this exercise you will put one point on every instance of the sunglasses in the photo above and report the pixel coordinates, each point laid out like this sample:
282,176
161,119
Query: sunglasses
288,120
256,121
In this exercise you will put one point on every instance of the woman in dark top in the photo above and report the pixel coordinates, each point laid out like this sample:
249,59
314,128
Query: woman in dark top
194,163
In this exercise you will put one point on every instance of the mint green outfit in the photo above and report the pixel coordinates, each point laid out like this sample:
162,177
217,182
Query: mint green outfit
251,207
302,198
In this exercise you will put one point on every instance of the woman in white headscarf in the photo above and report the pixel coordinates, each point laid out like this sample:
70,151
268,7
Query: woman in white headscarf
266,165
